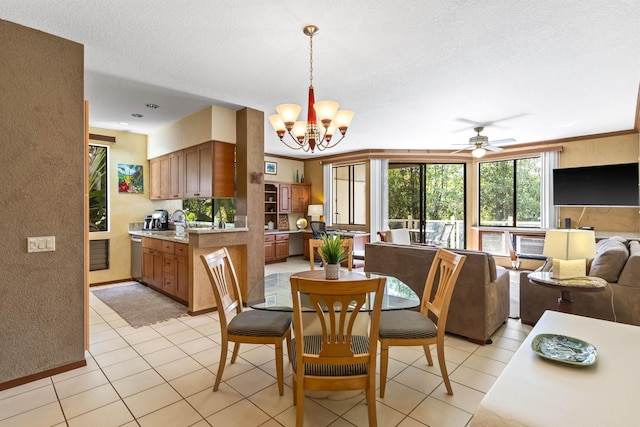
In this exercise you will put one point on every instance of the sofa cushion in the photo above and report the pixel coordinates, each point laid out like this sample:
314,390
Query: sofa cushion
631,271
611,256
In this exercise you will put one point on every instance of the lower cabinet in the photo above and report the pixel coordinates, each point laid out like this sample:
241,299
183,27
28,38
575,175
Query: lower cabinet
276,247
165,267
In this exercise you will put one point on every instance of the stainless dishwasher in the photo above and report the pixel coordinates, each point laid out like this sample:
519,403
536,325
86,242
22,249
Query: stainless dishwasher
136,258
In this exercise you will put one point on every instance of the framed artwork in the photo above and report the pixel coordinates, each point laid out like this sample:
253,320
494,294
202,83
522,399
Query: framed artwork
270,168
130,178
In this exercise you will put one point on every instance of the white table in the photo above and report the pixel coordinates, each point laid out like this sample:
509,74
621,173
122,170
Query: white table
534,391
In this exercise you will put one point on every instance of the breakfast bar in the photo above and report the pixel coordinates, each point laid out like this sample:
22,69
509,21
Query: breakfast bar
536,391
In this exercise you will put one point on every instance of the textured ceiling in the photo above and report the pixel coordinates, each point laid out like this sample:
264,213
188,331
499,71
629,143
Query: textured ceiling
418,74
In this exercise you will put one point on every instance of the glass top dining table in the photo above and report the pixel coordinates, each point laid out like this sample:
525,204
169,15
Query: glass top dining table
277,291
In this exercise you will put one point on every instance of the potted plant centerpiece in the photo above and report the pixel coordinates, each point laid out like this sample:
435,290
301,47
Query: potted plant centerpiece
333,254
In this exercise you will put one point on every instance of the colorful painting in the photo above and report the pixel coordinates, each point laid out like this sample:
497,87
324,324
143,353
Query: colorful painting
130,178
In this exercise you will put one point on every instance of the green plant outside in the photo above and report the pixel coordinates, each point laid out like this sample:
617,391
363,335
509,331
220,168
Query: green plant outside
332,251
97,188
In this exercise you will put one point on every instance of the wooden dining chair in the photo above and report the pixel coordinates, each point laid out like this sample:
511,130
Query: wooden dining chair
416,328
315,244
243,326
336,356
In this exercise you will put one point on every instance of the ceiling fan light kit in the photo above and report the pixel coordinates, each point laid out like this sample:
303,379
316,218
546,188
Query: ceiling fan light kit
480,144
306,135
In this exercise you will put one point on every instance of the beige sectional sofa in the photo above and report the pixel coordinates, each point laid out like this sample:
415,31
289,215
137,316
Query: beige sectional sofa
480,301
618,262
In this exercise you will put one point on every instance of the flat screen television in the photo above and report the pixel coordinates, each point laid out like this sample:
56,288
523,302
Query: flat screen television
604,185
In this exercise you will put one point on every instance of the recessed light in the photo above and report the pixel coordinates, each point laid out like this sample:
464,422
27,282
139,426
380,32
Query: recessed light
154,106
124,123
137,115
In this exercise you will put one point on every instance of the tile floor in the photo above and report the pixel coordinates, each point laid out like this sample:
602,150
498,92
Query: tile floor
161,375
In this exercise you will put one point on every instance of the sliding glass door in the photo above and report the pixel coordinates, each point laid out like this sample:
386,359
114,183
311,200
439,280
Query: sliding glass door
429,200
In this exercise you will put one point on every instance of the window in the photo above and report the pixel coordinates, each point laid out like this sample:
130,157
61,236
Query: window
430,195
209,210
349,191
510,193
98,186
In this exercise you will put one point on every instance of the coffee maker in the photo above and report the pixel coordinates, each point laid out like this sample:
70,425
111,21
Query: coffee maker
157,221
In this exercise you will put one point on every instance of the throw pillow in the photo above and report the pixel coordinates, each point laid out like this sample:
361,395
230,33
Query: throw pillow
611,255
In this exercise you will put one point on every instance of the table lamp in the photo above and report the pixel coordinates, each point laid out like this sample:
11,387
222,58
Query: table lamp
569,250
315,212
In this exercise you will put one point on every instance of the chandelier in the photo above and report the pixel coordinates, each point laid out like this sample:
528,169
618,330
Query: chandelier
309,135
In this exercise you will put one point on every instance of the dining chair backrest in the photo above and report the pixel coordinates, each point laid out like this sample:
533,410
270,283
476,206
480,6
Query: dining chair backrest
318,229
224,281
445,268
337,357
400,236
238,326
316,244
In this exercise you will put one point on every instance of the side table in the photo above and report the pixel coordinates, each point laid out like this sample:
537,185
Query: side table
566,286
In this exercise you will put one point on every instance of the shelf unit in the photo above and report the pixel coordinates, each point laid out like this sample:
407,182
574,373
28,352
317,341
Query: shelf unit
271,192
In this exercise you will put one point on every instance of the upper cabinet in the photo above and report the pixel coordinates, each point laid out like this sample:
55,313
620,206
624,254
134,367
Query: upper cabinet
300,195
203,171
285,198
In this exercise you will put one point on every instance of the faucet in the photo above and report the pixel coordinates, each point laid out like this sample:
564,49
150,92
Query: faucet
182,223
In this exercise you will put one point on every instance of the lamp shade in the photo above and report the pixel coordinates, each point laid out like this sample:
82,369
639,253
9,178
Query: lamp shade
315,210
569,244
478,152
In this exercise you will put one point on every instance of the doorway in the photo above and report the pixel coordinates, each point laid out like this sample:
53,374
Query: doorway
429,200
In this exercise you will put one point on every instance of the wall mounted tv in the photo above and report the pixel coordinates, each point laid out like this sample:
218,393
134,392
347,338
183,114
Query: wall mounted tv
605,185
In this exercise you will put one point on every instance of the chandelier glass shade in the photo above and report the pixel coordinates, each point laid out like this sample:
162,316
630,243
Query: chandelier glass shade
323,117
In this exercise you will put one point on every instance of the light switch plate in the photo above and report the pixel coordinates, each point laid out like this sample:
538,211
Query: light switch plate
41,244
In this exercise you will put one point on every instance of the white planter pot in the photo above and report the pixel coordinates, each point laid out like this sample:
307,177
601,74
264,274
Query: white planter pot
332,271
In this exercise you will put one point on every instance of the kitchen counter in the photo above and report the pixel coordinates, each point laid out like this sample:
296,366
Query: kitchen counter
173,236
199,241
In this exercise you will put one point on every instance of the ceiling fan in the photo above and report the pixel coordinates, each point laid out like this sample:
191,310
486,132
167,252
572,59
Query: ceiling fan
479,144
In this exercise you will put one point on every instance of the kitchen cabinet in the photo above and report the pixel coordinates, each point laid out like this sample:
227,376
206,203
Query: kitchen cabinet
165,267
284,205
154,179
182,272
176,175
276,247
282,247
203,171
300,195
152,262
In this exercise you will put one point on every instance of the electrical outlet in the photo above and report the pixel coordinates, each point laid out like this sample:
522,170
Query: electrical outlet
41,244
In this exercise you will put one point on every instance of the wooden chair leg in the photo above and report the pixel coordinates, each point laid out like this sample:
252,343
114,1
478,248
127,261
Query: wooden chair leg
384,365
289,346
223,360
299,405
371,401
443,367
279,366
427,353
236,350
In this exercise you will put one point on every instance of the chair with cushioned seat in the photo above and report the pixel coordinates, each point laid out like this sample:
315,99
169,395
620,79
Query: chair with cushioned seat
416,328
335,356
247,326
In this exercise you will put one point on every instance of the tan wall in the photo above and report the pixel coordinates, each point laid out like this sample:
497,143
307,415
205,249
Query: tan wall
130,148
211,123
43,151
601,151
313,175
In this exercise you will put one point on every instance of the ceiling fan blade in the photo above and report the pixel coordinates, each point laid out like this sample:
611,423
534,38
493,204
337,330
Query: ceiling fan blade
502,141
492,148
462,149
